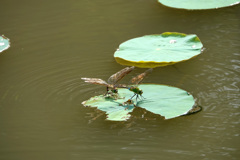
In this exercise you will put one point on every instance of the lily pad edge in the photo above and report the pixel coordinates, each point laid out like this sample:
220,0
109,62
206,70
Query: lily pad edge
199,9
4,37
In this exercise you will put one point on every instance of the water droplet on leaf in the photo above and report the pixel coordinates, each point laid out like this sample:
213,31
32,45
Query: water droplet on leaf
172,41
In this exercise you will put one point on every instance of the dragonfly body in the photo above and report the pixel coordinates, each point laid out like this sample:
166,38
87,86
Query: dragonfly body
136,80
137,92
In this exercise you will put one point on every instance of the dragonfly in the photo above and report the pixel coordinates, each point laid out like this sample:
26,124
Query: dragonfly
136,80
112,81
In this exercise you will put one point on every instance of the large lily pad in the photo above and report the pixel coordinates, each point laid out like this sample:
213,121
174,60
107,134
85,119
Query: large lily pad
167,101
4,43
158,50
198,4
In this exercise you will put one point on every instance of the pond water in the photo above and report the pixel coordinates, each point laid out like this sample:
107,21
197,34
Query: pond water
55,43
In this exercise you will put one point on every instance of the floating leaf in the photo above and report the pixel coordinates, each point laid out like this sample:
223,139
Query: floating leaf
4,43
167,101
158,50
114,108
198,4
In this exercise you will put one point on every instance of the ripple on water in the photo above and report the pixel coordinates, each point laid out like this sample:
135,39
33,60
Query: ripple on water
57,80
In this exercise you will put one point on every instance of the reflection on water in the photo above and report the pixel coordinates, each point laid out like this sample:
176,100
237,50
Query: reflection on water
54,44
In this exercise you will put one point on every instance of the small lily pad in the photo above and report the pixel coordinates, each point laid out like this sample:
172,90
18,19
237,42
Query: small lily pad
167,101
4,43
158,50
198,4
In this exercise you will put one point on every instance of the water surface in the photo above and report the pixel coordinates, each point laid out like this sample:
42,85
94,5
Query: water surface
55,43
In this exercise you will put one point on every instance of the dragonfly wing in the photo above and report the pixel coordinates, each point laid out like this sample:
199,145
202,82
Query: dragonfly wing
121,86
140,77
95,81
119,75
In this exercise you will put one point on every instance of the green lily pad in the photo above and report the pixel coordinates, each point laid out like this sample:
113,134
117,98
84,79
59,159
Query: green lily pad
198,4
167,101
114,108
4,43
158,50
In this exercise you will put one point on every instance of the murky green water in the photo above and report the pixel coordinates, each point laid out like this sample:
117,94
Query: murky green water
55,43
